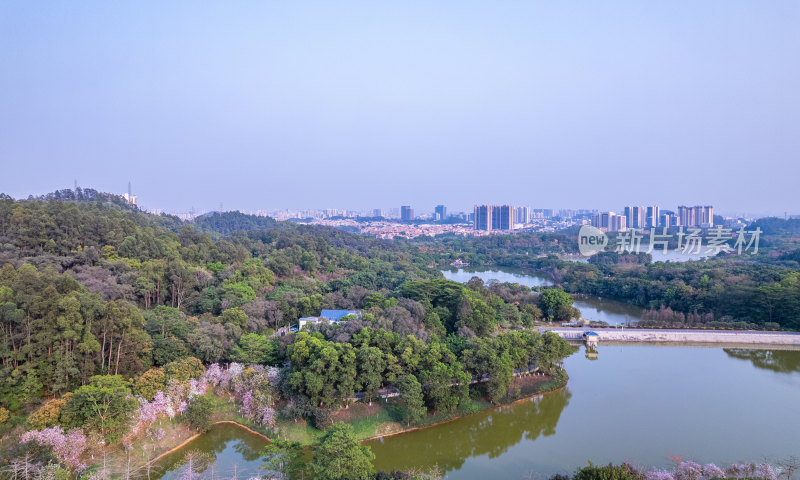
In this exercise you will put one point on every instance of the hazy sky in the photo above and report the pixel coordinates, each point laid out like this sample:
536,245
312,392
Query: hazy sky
356,105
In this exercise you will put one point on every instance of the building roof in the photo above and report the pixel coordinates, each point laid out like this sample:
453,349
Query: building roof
335,315
591,334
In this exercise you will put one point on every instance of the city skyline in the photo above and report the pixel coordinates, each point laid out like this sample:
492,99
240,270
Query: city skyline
197,104
417,213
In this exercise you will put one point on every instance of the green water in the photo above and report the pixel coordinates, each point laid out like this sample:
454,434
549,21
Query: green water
226,450
634,403
639,403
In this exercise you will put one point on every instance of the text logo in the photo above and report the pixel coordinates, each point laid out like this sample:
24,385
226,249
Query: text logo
591,240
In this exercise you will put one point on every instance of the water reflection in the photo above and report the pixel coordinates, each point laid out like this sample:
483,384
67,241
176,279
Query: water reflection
781,361
224,447
490,433
613,312
506,275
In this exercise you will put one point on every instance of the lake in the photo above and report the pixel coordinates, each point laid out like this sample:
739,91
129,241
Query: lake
597,309
638,403
226,449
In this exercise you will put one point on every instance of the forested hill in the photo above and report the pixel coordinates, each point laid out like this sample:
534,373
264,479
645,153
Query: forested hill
92,288
229,222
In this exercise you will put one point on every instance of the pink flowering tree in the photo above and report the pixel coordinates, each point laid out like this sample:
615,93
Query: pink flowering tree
67,447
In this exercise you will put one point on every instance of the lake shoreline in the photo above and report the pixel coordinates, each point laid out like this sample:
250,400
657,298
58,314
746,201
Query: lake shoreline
195,437
525,398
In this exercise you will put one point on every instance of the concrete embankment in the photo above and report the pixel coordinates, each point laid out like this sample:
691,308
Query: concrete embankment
683,336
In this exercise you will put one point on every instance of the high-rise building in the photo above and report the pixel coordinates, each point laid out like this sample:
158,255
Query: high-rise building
639,216
686,216
708,216
440,212
697,216
668,219
523,215
652,215
377,212
609,222
483,218
502,217
635,216
406,213
619,223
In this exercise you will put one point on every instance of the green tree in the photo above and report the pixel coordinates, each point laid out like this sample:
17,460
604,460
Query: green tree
150,383
476,315
238,293
281,459
370,371
340,456
255,348
410,391
105,405
184,369
553,302
235,316
198,413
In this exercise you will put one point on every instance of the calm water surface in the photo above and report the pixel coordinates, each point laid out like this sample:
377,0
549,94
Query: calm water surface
634,403
226,449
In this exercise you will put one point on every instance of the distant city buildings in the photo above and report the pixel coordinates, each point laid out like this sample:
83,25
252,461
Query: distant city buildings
609,222
503,218
668,219
697,216
406,213
487,219
483,218
491,218
635,216
523,215
653,217
440,212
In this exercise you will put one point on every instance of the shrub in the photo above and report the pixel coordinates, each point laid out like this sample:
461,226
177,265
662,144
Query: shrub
198,413
48,414
151,382
184,369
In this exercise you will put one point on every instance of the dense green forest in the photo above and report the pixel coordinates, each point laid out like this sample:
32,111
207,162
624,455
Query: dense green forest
112,318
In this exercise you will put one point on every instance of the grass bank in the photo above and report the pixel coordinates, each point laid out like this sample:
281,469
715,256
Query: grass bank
382,418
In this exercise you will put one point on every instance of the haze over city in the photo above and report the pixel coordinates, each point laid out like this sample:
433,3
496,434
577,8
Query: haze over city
361,105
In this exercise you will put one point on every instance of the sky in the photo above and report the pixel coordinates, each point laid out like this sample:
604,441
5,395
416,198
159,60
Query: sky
360,105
